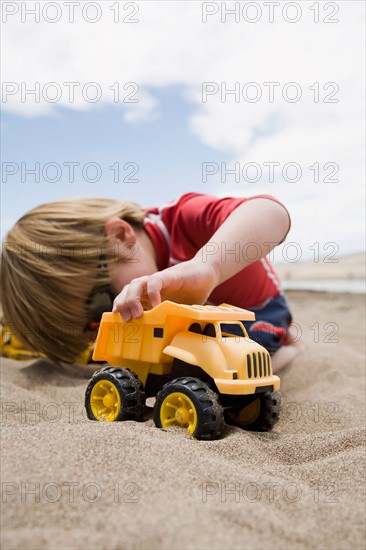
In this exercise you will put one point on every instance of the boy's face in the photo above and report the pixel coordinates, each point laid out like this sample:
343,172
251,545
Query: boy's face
135,251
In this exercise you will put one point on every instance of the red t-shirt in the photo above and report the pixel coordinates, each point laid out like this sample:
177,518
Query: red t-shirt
182,227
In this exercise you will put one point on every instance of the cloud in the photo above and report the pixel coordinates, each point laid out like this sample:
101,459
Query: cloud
171,46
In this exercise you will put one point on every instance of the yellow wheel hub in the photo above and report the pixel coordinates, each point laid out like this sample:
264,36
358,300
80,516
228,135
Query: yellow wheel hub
178,408
105,401
248,414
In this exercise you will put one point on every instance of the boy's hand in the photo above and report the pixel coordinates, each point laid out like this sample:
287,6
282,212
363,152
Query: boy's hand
190,282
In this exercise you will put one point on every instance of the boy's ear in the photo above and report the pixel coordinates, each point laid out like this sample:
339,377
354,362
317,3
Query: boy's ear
118,230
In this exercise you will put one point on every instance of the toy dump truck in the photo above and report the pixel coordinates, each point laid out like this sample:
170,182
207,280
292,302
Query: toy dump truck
200,373
12,347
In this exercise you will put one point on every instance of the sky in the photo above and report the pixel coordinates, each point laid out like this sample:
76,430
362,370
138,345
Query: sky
150,100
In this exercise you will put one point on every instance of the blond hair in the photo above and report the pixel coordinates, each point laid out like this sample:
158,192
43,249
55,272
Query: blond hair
50,263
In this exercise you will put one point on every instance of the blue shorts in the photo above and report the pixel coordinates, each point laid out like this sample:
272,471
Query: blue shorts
271,325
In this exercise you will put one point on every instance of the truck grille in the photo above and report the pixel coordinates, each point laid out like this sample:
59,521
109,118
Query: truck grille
258,365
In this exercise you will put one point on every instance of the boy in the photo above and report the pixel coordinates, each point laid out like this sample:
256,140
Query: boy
65,262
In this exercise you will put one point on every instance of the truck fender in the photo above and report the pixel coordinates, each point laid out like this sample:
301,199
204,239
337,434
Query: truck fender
182,354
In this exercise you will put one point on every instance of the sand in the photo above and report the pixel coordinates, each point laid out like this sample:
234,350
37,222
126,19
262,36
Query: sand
69,483
332,266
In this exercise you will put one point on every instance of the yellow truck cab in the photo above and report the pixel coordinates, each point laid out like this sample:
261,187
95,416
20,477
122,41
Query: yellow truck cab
186,356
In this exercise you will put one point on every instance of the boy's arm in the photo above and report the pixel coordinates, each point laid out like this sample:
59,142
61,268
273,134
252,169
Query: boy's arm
261,221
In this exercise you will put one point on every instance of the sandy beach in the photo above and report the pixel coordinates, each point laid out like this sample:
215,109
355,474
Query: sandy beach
68,483
331,267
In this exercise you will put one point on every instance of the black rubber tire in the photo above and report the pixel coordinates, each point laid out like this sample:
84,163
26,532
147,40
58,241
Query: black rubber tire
210,417
130,390
268,414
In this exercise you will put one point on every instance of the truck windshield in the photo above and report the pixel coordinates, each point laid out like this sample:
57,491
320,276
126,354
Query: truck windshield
233,329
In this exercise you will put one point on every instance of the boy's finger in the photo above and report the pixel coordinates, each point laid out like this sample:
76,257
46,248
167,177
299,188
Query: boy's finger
120,306
127,303
132,298
154,286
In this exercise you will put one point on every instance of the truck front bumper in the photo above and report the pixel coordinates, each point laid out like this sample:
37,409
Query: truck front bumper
247,387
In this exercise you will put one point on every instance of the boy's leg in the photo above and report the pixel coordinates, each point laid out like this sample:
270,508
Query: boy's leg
271,329
271,325
283,356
